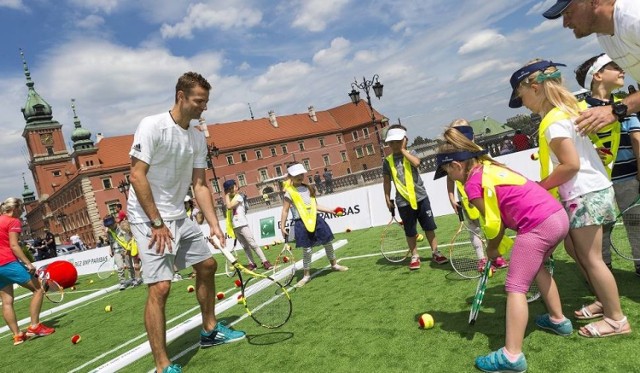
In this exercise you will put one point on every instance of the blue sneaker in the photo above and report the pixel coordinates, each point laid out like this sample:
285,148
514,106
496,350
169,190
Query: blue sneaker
173,368
498,362
219,335
564,328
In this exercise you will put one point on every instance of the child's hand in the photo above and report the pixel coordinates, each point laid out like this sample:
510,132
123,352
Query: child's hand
339,211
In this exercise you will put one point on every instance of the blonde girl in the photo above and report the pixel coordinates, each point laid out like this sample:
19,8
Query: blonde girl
572,170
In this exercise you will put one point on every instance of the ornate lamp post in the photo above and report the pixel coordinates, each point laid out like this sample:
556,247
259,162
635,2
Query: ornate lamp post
365,86
215,152
61,217
123,187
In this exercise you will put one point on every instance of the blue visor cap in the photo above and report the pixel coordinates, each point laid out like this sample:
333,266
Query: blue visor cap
522,74
109,221
228,184
445,158
556,10
467,131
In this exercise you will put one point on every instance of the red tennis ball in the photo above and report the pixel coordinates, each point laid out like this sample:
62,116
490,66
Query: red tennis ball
76,339
426,321
285,259
220,295
240,298
238,283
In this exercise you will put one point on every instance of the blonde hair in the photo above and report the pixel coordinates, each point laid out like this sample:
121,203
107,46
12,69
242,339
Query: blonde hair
125,226
554,90
10,204
459,123
455,141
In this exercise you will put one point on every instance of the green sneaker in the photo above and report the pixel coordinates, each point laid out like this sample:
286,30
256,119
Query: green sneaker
173,368
219,335
563,328
498,362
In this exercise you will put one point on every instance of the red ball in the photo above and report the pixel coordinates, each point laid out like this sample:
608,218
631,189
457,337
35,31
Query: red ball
76,339
285,259
62,272
220,295
238,283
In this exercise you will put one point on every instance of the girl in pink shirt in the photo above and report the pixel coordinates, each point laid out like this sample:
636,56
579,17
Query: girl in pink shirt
540,222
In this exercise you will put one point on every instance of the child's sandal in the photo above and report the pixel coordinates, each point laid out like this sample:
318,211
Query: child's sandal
612,327
586,313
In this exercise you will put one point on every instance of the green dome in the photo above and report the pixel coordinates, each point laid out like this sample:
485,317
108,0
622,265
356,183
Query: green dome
80,134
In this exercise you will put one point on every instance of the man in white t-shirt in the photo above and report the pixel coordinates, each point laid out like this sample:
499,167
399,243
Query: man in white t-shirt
167,156
617,23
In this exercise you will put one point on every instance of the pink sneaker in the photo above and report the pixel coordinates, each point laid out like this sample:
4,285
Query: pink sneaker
39,330
251,266
438,258
500,263
415,264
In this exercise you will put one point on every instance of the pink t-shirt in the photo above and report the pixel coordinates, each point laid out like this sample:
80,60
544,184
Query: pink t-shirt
8,224
522,207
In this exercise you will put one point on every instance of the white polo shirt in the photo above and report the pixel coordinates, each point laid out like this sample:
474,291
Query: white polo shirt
624,45
171,153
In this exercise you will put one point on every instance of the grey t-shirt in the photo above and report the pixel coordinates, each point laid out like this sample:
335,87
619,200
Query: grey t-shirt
421,192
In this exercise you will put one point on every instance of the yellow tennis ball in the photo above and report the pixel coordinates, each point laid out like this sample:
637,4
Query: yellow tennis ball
91,281
190,289
535,156
491,271
426,321
419,237
108,308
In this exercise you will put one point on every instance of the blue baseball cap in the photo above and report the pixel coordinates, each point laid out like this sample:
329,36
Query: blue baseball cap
109,221
445,158
522,74
228,184
556,10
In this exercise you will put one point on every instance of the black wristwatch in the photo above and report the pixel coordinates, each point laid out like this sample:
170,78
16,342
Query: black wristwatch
157,223
619,110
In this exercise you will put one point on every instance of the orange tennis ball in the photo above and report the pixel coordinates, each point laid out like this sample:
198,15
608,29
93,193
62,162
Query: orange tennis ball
238,283
190,289
75,339
535,156
426,321
108,308
220,295
285,259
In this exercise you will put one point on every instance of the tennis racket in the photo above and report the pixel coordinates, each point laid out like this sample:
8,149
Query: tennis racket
52,290
626,230
466,250
265,300
107,268
480,289
285,262
228,266
393,242
534,292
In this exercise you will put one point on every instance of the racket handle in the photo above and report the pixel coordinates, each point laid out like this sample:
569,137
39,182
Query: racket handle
460,212
216,243
392,209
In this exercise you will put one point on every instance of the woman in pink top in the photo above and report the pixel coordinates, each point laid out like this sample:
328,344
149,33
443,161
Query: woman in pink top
15,268
541,223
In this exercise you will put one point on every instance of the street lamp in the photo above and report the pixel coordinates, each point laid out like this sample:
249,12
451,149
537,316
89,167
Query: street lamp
377,90
123,187
213,150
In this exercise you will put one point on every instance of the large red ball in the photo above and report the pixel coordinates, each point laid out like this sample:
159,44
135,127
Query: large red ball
62,272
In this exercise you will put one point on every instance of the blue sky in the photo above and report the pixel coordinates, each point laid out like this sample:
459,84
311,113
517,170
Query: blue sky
438,59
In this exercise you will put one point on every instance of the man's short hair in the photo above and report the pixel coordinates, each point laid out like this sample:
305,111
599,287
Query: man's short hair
190,80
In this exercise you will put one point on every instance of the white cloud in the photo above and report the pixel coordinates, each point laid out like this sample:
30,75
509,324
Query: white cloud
203,16
90,22
314,15
105,6
482,40
336,53
477,69
547,25
13,4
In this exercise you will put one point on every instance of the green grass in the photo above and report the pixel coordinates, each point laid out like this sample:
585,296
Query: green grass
361,320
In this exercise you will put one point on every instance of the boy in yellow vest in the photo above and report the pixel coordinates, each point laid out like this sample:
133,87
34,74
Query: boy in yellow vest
120,246
411,196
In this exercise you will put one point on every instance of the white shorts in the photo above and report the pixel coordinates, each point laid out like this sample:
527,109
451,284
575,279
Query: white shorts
189,248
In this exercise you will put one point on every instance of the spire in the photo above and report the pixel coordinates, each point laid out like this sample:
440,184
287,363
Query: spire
36,109
27,195
81,137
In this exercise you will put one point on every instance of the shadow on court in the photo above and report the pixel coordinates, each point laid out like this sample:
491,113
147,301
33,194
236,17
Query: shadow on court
270,338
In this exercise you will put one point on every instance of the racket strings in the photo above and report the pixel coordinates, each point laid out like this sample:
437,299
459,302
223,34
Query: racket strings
269,303
393,243
625,234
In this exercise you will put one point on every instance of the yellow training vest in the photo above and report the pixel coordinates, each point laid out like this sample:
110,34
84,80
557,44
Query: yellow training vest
307,212
407,191
229,220
609,134
472,211
131,246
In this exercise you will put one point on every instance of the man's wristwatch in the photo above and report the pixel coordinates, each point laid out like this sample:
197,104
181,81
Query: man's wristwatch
619,110
157,223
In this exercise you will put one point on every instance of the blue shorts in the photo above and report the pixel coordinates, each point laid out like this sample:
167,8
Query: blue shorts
423,215
14,273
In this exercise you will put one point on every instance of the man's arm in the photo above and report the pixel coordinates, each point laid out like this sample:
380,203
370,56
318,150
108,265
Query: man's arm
594,119
206,203
138,178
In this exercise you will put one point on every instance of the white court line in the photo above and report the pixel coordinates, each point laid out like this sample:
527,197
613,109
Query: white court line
172,334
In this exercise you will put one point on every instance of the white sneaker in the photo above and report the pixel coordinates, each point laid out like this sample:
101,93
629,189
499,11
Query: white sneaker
176,277
303,281
339,268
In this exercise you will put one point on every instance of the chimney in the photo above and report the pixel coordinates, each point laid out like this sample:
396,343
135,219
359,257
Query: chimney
272,119
312,113
99,137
